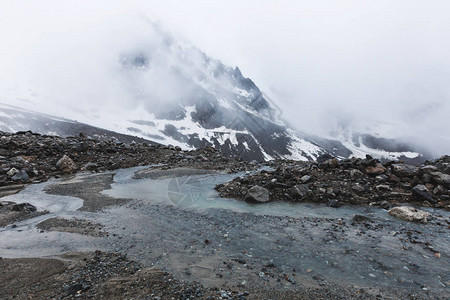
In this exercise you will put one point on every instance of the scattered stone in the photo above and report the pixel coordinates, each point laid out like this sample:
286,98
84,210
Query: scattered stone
420,193
25,207
90,166
408,213
324,157
356,174
360,218
299,191
305,179
12,172
331,163
74,289
257,194
384,205
383,187
353,181
378,169
441,178
403,170
21,176
334,203
66,164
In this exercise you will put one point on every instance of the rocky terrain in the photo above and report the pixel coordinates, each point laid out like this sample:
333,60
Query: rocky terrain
215,253
28,157
11,212
114,276
350,181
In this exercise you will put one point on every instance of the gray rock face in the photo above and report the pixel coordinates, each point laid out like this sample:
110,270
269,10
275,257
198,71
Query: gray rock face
257,194
66,164
408,213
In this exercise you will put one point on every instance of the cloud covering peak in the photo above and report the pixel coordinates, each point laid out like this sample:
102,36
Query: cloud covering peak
380,67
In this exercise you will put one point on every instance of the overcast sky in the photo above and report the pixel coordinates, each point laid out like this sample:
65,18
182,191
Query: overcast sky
357,63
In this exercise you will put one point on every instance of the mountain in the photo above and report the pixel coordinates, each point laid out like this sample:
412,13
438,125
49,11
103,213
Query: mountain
15,119
173,93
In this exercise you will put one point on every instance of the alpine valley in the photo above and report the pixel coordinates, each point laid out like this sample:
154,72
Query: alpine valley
177,95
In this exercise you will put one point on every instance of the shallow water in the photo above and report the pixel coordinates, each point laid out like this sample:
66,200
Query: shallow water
171,217
196,192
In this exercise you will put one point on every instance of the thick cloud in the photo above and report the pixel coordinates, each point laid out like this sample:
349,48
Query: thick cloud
377,66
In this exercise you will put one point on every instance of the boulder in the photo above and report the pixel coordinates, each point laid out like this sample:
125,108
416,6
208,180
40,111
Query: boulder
334,203
331,163
385,205
12,172
420,193
25,207
428,169
257,194
360,218
378,169
90,166
299,191
409,213
383,188
21,176
324,157
381,178
359,189
356,174
439,190
305,179
66,164
402,170
441,178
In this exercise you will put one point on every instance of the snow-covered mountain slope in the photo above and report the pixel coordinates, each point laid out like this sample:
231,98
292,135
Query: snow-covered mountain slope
15,119
172,93
350,143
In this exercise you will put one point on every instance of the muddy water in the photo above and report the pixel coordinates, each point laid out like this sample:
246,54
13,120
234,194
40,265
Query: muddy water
177,222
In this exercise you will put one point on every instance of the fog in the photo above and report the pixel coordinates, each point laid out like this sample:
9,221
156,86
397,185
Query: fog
376,66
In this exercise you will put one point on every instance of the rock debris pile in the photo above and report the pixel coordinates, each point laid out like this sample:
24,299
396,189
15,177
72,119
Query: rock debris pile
349,181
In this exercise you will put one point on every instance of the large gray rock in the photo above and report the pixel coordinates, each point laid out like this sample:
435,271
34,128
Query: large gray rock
428,169
21,176
402,170
409,213
66,164
420,193
299,191
441,178
257,194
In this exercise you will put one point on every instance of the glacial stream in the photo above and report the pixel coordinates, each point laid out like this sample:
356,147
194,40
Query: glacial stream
175,221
